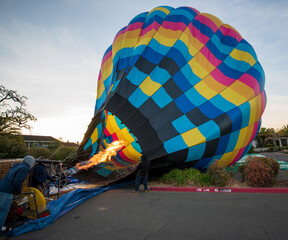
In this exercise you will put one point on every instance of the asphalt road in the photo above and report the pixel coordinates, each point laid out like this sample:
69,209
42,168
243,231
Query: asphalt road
277,155
124,215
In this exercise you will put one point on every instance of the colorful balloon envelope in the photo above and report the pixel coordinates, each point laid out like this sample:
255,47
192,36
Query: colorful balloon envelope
179,86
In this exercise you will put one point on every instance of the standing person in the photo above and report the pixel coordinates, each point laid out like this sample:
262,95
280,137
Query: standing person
12,184
142,174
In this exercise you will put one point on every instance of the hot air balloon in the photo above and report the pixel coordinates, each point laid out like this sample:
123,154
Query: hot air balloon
179,86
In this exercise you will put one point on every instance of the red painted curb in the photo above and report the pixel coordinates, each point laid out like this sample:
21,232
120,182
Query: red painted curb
215,189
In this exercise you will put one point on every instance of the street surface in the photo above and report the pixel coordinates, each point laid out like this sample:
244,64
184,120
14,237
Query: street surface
124,215
277,155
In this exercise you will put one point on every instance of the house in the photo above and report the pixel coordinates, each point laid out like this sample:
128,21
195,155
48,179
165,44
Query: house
277,141
35,141
39,141
70,144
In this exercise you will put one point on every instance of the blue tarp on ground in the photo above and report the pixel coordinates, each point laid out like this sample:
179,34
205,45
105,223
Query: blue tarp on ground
60,207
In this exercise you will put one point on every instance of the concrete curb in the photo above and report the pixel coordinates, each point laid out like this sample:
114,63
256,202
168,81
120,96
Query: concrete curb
221,190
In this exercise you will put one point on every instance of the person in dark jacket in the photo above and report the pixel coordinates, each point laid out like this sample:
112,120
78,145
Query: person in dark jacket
12,184
142,174
39,177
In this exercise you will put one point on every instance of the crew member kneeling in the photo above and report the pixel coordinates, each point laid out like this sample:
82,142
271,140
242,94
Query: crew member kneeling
12,184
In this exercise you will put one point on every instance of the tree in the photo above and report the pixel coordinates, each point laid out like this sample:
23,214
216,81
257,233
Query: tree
12,146
264,133
283,131
13,116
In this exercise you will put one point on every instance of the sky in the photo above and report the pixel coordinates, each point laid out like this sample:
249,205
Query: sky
51,51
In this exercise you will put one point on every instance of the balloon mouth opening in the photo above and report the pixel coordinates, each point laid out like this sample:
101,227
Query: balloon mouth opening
101,168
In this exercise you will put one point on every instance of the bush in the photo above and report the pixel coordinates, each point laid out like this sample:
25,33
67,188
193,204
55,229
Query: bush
273,164
218,173
53,146
204,180
175,176
271,149
251,150
40,152
64,153
259,172
12,146
241,169
191,175
181,177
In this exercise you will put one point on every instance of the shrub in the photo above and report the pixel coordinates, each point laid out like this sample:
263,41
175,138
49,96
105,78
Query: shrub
65,153
271,149
53,146
218,173
269,145
259,172
181,177
251,150
271,162
241,169
204,180
39,152
175,176
12,146
191,175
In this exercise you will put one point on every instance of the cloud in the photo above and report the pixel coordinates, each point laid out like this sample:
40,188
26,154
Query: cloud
275,114
55,68
54,59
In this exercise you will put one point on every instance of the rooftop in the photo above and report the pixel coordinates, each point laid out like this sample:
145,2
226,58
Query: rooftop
37,138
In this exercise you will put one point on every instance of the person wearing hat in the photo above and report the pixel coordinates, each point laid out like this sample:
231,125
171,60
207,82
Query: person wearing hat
12,184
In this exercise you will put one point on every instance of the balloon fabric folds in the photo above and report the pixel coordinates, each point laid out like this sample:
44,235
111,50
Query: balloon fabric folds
179,86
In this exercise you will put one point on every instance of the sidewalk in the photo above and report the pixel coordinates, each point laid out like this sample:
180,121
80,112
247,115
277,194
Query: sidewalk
220,190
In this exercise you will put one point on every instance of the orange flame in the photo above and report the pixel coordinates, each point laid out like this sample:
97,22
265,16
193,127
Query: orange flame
103,156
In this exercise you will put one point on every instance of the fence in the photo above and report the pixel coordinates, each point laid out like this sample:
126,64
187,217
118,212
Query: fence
7,164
